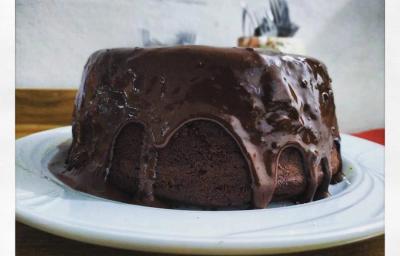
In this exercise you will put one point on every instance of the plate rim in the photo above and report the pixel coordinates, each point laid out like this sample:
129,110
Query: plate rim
193,246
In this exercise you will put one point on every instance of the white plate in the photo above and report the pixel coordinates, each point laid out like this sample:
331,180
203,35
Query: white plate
354,212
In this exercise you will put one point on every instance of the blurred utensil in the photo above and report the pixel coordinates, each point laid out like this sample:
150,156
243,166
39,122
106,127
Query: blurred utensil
246,14
275,22
267,26
185,38
182,38
281,18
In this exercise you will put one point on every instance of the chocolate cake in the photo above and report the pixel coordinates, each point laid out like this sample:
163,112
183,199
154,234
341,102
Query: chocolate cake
204,127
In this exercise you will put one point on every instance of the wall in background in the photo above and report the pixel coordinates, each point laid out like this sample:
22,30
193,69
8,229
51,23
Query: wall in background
55,37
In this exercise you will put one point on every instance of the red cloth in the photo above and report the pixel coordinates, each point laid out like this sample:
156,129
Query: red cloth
375,135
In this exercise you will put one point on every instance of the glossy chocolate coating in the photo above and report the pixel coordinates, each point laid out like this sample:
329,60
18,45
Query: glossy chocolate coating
267,101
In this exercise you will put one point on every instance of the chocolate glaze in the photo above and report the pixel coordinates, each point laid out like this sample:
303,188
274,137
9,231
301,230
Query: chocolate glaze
266,101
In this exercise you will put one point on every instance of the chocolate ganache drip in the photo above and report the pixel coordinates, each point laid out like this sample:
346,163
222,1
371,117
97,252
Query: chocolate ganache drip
266,101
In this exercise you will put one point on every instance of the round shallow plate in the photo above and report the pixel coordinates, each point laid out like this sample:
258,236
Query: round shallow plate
355,211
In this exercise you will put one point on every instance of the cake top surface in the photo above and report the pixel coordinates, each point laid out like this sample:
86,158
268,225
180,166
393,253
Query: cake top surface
266,100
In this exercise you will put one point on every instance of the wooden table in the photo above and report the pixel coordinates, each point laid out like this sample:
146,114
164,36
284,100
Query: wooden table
38,110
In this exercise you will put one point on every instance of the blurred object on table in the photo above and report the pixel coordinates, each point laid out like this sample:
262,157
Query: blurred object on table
181,38
273,31
375,135
280,44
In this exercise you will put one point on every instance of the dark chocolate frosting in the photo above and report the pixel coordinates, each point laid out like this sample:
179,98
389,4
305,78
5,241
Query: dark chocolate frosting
267,101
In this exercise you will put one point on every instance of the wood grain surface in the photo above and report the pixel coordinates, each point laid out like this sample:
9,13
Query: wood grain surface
36,106
38,110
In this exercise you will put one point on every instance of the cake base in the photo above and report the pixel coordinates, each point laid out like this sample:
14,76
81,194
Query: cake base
202,167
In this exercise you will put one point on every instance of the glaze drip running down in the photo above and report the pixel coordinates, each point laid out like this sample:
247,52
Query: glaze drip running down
266,102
